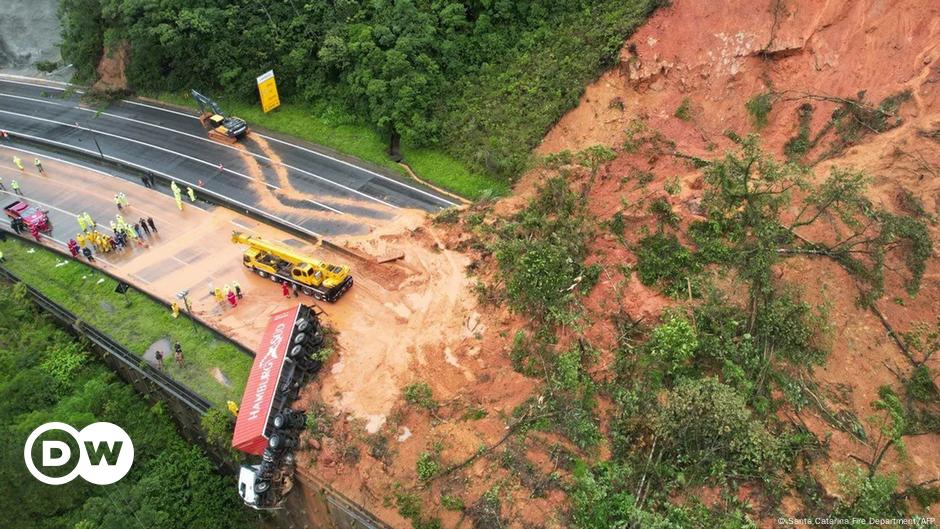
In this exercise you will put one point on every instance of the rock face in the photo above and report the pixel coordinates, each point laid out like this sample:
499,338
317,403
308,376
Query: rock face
29,32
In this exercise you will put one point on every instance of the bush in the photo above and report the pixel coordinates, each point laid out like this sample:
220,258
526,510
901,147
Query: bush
759,108
427,466
707,430
662,261
684,110
419,394
672,343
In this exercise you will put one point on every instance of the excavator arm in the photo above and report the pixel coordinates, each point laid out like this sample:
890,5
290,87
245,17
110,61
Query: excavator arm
206,104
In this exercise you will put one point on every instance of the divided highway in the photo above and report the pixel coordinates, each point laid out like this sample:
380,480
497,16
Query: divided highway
318,192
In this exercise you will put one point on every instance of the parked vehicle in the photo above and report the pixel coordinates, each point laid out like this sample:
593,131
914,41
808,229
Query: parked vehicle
32,216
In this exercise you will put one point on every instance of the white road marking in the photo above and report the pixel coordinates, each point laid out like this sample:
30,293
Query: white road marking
33,99
272,186
283,142
194,186
7,76
85,167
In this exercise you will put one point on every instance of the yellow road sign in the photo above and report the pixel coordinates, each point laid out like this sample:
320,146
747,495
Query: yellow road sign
267,88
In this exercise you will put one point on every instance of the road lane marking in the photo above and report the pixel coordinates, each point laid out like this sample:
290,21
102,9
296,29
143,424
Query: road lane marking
87,168
38,100
218,196
205,162
311,151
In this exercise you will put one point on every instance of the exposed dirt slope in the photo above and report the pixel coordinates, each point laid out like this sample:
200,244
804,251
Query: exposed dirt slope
712,58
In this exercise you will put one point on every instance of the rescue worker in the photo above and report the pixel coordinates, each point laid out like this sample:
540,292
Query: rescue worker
232,299
191,193
179,202
34,231
117,202
176,309
136,228
19,163
178,353
123,198
143,225
87,253
152,226
285,289
90,221
81,222
232,407
238,289
158,356
225,290
218,295
73,248
80,239
38,165
16,187
175,188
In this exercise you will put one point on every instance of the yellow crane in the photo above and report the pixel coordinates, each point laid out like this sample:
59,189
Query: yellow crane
323,281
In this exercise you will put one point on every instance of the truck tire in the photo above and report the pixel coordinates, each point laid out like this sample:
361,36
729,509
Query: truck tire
261,273
262,486
307,291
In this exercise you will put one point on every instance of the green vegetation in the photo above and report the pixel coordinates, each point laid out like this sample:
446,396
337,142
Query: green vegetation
479,82
419,394
429,464
409,507
799,145
684,110
540,251
331,126
46,375
759,108
135,322
697,398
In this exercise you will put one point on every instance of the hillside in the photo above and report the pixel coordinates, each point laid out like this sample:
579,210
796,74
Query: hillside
714,304
711,299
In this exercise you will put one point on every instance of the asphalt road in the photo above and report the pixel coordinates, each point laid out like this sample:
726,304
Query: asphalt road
321,193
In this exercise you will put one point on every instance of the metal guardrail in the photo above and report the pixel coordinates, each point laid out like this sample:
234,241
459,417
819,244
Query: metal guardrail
183,314
166,383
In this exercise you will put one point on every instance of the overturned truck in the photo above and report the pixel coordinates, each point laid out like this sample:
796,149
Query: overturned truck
267,426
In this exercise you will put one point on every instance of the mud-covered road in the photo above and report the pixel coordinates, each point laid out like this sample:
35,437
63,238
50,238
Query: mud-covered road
320,192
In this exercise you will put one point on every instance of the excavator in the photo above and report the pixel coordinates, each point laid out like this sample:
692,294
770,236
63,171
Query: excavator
227,129
323,281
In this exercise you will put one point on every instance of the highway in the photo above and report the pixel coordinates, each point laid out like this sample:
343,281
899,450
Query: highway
319,192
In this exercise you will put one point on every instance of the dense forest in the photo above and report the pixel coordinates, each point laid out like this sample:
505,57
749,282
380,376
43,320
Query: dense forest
46,375
481,79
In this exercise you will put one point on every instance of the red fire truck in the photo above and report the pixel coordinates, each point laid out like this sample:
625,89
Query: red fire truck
267,426
30,215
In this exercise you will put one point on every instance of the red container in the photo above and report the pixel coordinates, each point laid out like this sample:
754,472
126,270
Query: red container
252,427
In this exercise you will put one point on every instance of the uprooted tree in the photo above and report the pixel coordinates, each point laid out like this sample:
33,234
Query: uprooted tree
746,206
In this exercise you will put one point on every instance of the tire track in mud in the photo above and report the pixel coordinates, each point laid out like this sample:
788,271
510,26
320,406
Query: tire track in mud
274,200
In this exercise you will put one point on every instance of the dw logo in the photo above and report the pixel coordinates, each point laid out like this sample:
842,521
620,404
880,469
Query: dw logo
105,453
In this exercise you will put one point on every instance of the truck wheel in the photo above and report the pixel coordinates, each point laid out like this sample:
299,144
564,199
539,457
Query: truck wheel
307,291
262,486
261,273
